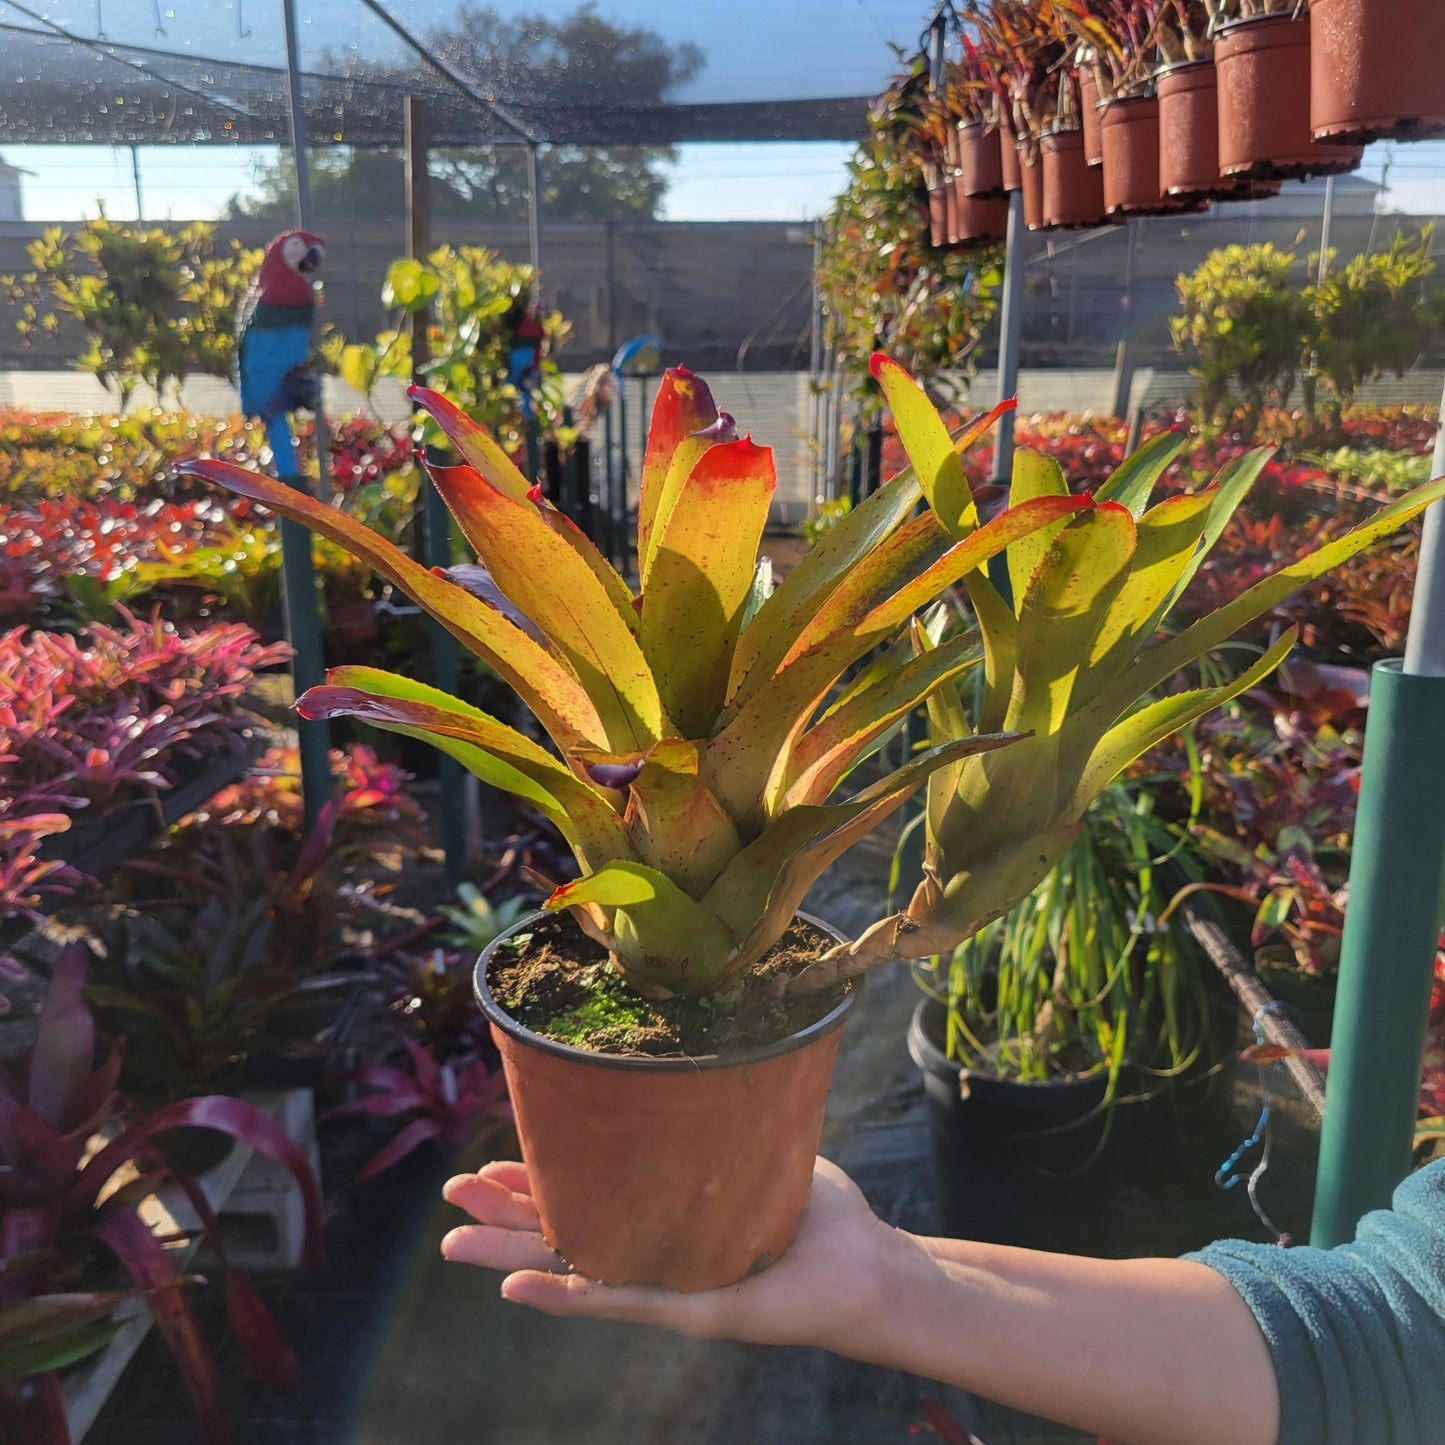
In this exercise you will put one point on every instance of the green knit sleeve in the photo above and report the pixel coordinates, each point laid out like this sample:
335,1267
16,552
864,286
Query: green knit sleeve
1357,1333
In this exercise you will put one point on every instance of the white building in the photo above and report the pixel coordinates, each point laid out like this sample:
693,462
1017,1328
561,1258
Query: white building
10,205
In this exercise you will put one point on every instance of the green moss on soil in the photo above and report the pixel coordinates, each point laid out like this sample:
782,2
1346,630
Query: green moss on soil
558,983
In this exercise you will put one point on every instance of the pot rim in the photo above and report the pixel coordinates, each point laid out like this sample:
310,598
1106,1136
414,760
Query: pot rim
1243,22
931,1059
1179,65
1120,101
639,1063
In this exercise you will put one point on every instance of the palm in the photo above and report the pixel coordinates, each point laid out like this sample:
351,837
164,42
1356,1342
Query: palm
824,1278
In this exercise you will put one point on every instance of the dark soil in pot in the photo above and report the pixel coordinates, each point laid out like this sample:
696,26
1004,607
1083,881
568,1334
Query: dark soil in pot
1263,65
688,1170
561,986
1038,1165
1375,69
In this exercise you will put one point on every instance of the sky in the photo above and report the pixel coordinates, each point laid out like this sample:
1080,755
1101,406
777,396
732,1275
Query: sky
754,49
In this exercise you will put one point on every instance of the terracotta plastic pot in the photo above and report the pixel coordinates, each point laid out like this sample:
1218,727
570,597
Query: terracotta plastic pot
1089,114
1376,69
1073,189
685,1172
982,221
1189,132
1013,176
1031,168
1131,157
1263,66
980,161
937,215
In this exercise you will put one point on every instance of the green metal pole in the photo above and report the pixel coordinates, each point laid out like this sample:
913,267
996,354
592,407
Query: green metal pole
446,673
1397,879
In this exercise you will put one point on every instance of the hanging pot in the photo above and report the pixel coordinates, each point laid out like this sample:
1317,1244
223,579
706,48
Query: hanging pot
1032,171
1089,114
1073,193
1189,132
688,1172
1263,65
1376,69
980,161
981,221
950,211
938,215
1131,158
1038,1165
1013,175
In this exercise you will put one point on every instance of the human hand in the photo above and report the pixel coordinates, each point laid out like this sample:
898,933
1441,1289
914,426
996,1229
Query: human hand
826,1290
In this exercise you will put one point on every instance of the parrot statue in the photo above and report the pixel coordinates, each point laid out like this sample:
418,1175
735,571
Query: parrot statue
273,340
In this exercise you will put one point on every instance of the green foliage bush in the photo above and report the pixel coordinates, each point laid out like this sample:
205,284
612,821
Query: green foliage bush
884,285
157,304
1254,333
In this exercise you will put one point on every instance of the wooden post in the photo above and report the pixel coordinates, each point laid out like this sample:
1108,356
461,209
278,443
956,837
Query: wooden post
446,655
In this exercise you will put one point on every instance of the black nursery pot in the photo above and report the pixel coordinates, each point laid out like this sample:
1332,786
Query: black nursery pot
1038,1165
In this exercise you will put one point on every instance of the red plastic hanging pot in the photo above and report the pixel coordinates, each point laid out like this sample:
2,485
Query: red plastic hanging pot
1131,156
1189,132
1013,175
938,215
1073,190
980,160
1032,170
1376,69
982,220
1089,114
1263,66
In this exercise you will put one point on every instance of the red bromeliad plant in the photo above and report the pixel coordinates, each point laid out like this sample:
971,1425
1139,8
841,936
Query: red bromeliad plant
1027,45
698,723
74,1174
448,1100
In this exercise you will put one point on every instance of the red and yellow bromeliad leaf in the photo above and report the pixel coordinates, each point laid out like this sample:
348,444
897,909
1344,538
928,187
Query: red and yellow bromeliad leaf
933,453
394,703
1034,475
769,636
1080,575
476,446
543,576
544,682
702,573
743,760
683,408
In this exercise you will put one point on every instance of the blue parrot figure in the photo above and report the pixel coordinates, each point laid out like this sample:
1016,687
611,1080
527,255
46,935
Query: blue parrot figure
273,341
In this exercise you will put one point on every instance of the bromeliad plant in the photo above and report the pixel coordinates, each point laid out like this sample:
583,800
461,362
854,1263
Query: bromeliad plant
699,731
1073,659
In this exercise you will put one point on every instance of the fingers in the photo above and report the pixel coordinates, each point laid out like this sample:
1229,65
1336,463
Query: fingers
504,1249
700,1315
489,1199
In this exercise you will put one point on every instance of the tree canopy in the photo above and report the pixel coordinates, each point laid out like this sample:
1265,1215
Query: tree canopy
581,60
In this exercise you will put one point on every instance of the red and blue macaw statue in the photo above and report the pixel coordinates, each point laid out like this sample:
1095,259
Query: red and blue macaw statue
273,341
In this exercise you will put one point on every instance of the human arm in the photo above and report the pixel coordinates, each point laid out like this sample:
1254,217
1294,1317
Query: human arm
1157,1352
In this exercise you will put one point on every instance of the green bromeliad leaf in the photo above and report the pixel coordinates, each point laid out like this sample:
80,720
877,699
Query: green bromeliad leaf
658,932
